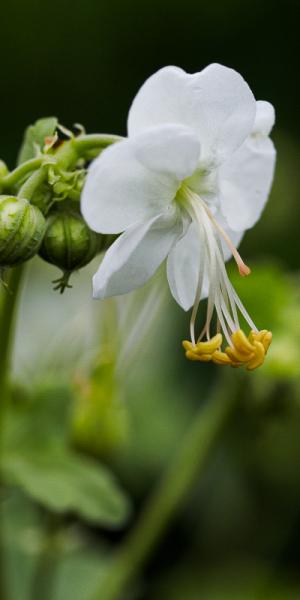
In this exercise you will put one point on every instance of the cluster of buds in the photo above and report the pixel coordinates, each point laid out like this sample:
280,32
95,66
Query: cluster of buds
244,351
40,206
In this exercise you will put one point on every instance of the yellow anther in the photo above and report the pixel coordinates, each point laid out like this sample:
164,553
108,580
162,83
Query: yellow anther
249,352
211,345
239,357
259,357
207,347
241,342
200,357
188,346
263,336
220,358
266,341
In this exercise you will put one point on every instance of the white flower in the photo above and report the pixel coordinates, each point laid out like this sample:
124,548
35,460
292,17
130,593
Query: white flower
193,174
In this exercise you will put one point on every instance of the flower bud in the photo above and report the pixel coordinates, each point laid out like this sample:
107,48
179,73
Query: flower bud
21,230
68,243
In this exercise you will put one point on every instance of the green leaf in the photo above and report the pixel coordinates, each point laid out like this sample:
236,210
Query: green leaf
31,546
66,482
34,137
38,458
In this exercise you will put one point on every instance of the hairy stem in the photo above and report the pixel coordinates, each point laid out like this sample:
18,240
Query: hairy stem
186,468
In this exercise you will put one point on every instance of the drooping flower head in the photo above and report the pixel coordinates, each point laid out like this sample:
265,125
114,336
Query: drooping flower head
194,173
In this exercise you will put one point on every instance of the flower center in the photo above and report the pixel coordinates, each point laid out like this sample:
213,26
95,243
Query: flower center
222,298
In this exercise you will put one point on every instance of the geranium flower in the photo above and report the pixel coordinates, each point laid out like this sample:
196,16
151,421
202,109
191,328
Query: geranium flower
192,176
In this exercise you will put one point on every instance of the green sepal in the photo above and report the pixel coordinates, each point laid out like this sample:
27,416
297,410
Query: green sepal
34,138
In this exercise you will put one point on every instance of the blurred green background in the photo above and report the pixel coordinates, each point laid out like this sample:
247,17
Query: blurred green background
238,536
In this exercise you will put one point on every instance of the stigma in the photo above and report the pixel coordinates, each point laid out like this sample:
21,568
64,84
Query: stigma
223,304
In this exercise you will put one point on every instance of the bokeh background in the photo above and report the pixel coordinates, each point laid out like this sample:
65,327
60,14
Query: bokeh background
237,538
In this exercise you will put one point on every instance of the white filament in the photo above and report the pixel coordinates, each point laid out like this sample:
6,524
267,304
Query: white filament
221,295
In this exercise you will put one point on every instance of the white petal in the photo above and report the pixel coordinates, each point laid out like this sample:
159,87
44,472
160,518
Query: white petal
183,264
136,255
216,103
264,118
136,179
183,268
245,182
170,149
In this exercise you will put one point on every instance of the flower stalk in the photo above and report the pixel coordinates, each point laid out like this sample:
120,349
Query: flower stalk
67,154
179,479
8,310
93,143
7,321
15,176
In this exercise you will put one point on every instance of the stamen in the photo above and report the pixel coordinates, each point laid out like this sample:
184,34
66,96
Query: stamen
241,350
227,288
212,268
198,291
244,270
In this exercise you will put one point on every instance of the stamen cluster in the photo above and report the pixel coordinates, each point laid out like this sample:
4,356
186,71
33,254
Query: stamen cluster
222,298
249,352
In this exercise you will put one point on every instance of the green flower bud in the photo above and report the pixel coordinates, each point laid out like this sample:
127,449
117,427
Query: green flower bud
68,243
21,230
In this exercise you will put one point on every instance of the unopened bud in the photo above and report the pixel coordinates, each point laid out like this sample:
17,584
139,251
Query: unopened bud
22,227
68,243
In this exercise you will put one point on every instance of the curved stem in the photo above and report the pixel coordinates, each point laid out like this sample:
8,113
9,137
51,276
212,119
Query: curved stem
67,154
92,143
189,463
13,178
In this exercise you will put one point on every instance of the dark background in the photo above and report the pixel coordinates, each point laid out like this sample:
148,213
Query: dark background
85,60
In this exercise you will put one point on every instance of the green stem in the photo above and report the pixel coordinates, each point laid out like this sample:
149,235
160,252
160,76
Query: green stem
85,146
13,178
189,463
48,560
7,321
93,143
32,183
8,308
68,153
